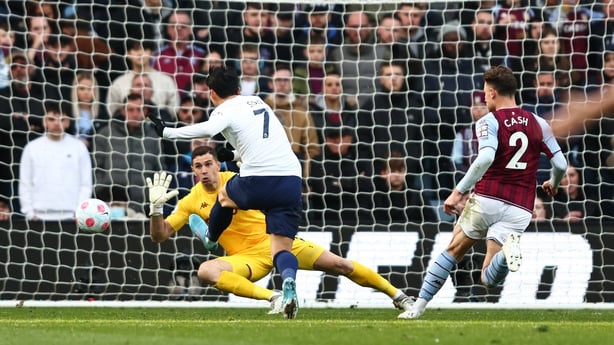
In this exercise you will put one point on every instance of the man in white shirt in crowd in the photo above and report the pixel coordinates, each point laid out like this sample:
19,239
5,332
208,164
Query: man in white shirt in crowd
55,170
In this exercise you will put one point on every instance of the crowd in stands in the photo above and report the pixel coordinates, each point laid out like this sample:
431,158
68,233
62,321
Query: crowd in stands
378,100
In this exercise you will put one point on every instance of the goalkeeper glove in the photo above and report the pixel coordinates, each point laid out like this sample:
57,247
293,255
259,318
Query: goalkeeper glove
224,154
200,229
158,194
158,124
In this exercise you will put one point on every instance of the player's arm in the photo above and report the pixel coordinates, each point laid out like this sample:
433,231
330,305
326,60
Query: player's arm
205,129
558,161
486,131
159,229
570,117
559,167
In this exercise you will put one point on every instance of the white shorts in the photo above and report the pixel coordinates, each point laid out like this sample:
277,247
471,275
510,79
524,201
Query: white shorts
492,219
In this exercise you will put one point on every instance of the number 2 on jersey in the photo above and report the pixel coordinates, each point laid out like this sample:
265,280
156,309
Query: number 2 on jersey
515,162
265,125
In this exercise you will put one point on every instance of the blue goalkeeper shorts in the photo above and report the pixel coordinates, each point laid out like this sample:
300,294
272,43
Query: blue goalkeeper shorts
278,197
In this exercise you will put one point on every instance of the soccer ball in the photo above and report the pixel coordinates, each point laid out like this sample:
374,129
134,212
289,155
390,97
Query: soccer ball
93,216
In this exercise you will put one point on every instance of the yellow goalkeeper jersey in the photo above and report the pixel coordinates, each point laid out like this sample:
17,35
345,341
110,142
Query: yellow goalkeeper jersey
248,227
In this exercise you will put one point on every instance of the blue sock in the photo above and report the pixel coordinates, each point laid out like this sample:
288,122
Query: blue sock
219,219
496,271
436,275
286,264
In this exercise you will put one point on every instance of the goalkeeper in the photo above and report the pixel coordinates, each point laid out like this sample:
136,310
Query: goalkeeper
245,241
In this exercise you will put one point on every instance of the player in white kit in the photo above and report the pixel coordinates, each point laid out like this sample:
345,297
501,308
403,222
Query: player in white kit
270,177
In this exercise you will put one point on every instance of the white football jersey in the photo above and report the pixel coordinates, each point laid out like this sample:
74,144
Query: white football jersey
252,128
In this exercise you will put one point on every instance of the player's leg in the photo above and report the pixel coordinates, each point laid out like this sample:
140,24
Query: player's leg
221,212
282,217
280,199
333,264
439,271
235,274
503,246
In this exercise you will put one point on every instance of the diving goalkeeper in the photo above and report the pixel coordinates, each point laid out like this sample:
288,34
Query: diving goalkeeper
245,241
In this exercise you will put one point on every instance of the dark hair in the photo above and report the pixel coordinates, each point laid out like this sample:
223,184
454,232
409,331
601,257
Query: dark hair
60,107
224,81
502,79
132,97
396,161
203,150
132,43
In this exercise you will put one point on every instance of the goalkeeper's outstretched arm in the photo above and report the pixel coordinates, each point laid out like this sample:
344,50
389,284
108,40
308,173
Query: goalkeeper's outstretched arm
159,229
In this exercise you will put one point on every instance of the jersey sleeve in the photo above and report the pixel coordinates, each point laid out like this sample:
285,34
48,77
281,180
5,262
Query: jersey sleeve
180,215
551,146
216,123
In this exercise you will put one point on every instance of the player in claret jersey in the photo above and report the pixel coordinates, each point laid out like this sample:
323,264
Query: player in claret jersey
503,179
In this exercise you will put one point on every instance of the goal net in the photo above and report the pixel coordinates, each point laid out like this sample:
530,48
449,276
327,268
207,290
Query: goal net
378,101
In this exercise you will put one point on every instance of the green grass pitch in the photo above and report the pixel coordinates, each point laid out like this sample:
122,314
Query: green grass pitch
237,326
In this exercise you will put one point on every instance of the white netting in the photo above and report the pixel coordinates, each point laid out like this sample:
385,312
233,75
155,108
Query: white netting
398,84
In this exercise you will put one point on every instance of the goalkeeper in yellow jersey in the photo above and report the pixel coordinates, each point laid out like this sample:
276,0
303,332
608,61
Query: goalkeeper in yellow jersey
245,241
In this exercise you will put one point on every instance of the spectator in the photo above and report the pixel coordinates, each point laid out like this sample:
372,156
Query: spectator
358,58
282,29
319,24
165,92
397,197
21,113
393,118
179,58
572,20
512,18
134,19
544,99
142,85
540,211
55,170
487,51
255,31
340,179
547,56
571,203
38,33
413,22
601,37
88,112
252,81
124,153
448,88
389,33
198,91
309,76
212,59
297,122
56,67
332,107
7,40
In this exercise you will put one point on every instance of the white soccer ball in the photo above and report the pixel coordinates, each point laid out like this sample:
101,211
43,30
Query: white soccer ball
93,216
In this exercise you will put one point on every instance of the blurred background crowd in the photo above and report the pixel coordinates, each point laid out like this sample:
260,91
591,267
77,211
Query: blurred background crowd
378,99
